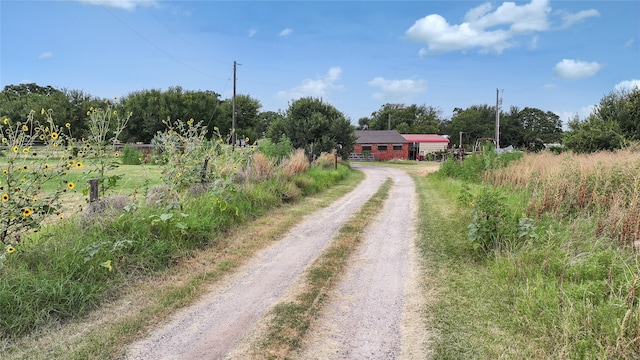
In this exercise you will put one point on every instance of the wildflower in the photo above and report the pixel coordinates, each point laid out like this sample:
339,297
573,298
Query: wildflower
25,128
5,121
55,144
35,199
5,171
130,113
91,108
107,265
23,180
71,185
115,112
26,150
88,113
26,212
4,140
179,174
116,154
5,197
42,111
15,149
10,249
235,168
79,165
54,135
67,125
41,137
472,204
46,165
215,128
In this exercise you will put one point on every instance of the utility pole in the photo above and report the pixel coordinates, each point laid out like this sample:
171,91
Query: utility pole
233,111
498,118
389,122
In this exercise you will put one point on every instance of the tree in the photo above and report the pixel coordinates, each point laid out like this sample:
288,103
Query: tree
150,107
623,107
247,117
477,121
539,128
412,119
315,126
593,134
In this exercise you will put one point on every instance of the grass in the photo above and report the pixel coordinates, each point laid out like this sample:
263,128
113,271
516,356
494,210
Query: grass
129,308
568,293
290,321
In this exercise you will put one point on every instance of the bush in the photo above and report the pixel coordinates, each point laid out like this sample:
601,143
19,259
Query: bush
131,156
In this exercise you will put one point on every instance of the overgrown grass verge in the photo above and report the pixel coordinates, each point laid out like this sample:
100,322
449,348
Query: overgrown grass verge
77,266
289,321
564,293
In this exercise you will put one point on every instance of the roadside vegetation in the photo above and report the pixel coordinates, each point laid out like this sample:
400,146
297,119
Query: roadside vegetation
533,256
58,264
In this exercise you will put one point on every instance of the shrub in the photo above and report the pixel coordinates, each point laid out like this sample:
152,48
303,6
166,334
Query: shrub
131,156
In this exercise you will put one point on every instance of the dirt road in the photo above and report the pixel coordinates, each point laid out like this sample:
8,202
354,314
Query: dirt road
372,312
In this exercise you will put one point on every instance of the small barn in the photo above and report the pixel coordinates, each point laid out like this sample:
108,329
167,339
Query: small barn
422,144
380,145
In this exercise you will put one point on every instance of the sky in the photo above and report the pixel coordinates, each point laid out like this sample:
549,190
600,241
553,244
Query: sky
559,56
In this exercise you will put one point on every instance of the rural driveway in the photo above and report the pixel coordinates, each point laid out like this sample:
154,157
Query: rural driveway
372,311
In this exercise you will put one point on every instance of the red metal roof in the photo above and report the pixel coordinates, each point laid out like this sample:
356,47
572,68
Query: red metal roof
422,138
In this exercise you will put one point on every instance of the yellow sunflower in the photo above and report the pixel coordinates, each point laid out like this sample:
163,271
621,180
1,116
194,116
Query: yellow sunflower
71,185
54,135
26,212
79,165
5,197
10,249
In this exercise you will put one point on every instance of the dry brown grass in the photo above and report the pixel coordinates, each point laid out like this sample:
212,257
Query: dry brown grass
262,168
297,163
605,184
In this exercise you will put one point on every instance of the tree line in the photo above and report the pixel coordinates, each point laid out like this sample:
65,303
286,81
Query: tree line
317,126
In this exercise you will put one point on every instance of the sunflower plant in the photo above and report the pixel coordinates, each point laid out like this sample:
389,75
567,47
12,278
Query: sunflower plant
33,173
100,147
190,157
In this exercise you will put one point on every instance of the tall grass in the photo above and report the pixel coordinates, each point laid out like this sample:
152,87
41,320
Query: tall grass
605,185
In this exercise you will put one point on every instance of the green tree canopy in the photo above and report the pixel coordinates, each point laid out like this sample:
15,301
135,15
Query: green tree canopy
412,119
150,107
593,134
247,117
623,107
316,126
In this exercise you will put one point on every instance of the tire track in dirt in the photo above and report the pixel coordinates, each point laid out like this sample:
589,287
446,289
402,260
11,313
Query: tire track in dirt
374,312
214,326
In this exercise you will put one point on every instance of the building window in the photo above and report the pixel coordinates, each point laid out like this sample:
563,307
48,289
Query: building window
382,147
397,147
366,147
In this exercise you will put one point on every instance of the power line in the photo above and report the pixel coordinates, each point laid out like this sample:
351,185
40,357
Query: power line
158,47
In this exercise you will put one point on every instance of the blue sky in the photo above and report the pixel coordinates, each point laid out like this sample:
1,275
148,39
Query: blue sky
560,56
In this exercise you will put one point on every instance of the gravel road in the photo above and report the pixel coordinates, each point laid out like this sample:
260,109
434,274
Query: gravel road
370,314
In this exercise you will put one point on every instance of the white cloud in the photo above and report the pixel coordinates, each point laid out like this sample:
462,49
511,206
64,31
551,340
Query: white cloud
397,90
285,32
629,42
45,55
121,4
628,85
549,86
576,69
582,113
487,29
569,19
319,87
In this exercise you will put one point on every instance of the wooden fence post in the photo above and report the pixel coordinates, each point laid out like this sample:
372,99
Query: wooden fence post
93,190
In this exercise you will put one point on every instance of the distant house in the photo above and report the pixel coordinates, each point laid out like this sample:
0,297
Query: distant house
380,145
422,144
